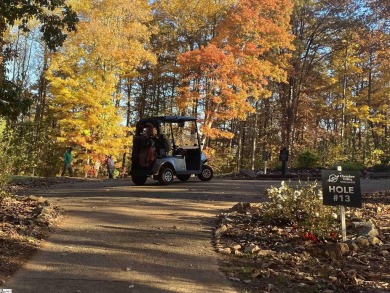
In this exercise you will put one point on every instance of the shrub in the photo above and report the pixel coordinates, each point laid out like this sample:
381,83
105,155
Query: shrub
5,163
350,166
307,160
116,173
381,168
278,168
383,165
303,208
377,157
4,179
220,159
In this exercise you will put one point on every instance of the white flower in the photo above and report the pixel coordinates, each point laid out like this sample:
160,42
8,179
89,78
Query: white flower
297,193
334,215
320,195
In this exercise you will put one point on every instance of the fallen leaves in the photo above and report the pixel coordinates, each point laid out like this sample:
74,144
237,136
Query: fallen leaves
24,223
280,256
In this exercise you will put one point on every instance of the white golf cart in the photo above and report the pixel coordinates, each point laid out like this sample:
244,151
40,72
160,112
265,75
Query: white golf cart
168,146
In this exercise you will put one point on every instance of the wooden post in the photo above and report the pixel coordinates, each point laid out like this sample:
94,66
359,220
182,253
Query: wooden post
284,168
342,216
343,225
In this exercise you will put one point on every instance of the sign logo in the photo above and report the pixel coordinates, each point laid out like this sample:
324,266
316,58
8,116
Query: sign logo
5,290
333,178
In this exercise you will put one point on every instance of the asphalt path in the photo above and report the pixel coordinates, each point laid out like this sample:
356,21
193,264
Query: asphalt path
117,237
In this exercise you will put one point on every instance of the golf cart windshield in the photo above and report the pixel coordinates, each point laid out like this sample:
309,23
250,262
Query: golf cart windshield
183,134
181,131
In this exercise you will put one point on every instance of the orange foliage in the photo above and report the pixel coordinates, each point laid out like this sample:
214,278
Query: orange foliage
238,62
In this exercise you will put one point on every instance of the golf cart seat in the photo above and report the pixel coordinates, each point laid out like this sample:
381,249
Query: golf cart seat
167,145
163,146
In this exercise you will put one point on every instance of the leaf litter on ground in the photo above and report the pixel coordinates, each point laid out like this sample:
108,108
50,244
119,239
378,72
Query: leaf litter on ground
265,258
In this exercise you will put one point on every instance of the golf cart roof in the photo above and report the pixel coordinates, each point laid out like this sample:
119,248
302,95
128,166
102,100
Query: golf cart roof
169,119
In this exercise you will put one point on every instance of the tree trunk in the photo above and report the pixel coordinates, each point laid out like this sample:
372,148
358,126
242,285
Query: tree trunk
42,91
255,135
239,147
128,116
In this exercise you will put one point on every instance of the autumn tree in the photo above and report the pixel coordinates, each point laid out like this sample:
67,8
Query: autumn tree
56,18
248,51
84,76
360,90
230,63
180,27
323,107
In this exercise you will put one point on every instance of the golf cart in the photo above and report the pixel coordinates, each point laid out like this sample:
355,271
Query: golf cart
168,146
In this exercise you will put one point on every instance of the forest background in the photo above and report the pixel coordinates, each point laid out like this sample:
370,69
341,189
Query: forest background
309,75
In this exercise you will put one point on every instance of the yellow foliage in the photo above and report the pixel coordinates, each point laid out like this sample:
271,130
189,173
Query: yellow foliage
110,41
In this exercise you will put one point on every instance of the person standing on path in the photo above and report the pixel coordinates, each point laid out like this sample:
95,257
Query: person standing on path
110,166
68,162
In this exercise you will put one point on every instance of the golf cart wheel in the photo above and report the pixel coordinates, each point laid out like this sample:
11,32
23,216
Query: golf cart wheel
183,177
165,176
207,173
139,180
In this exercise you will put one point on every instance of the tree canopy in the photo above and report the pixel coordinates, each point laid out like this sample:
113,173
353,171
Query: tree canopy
56,19
55,16
261,75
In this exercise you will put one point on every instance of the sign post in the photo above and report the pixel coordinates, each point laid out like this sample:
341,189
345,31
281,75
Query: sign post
343,189
343,224
342,216
283,156
265,159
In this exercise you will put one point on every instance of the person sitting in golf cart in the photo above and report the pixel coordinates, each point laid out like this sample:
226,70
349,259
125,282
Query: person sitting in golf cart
147,154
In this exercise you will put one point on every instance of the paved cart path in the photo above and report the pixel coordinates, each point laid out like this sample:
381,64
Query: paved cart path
117,237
